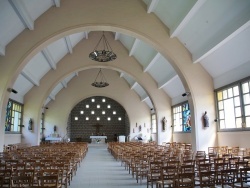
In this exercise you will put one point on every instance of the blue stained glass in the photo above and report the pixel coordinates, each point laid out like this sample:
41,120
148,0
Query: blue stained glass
186,114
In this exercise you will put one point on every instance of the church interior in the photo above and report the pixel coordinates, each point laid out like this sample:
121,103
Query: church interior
123,76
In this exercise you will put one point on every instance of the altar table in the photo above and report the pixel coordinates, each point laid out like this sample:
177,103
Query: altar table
98,139
53,139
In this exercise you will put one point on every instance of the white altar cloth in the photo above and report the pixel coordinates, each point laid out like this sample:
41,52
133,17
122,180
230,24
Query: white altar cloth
53,139
98,139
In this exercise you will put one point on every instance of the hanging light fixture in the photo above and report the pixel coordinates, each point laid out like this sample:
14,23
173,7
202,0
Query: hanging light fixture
100,80
104,54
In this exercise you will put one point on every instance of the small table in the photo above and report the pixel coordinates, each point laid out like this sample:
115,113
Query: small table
98,139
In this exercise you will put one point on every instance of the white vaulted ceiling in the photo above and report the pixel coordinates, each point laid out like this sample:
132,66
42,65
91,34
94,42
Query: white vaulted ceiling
216,33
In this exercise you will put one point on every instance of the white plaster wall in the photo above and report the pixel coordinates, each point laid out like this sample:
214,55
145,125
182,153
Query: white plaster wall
241,139
12,139
182,137
80,88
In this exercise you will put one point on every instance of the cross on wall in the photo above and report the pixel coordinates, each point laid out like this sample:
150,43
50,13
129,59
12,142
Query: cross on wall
97,128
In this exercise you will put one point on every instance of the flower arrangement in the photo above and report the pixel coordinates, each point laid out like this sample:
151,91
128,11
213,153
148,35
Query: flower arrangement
97,140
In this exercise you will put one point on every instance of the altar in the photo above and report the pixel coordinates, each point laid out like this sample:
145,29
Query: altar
98,139
53,139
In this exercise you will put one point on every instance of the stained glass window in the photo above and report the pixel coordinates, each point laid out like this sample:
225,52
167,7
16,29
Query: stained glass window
181,117
13,119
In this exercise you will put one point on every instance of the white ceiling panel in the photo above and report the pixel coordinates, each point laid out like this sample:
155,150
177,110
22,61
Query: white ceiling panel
22,85
58,49
38,66
172,12
10,23
174,87
140,91
208,28
47,101
149,103
129,79
144,53
232,54
37,7
71,76
57,89
127,41
75,38
161,71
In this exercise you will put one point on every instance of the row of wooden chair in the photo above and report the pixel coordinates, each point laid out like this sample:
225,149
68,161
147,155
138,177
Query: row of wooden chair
138,158
60,160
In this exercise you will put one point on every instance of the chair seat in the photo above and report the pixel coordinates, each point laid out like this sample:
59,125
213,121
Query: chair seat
165,182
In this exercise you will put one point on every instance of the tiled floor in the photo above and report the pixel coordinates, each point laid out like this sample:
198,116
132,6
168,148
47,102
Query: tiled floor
100,170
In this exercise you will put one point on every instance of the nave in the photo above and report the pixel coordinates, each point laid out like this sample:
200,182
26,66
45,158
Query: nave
123,165
100,169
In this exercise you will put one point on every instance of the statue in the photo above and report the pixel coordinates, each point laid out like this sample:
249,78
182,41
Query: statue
205,120
164,122
30,125
55,129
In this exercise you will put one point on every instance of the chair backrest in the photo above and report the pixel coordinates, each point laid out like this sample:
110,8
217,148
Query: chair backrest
21,181
48,172
232,162
204,167
49,180
187,168
207,179
155,166
245,176
6,174
220,166
168,175
228,177
1,181
185,180
241,164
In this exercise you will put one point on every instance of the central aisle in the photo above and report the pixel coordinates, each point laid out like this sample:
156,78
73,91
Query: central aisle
100,170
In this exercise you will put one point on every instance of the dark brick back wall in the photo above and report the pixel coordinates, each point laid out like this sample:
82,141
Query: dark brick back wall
82,129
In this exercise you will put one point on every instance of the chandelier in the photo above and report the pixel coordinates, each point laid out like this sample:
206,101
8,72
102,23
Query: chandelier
100,80
103,54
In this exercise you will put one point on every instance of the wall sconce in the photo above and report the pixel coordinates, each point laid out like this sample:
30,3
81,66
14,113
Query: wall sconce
186,94
12,90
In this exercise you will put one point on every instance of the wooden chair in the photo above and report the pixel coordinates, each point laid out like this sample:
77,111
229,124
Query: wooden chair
41,187
63,176
1,181
7,173
29,163
185,180
204,167
218,168
142,170
154,173
232,162
21,181
49,181
168,176
188,162
244,180
187,168
240,165
228,178
207,179
67,169
10,163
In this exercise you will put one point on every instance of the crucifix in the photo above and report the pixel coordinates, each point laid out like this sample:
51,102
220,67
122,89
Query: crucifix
97,128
